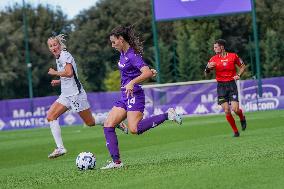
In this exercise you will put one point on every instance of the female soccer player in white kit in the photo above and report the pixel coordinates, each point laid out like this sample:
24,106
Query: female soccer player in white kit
73,95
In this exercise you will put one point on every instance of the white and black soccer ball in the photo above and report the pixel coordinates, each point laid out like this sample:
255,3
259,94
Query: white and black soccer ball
86,160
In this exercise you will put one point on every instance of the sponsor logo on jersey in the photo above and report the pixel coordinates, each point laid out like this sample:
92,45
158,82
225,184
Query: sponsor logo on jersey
121,65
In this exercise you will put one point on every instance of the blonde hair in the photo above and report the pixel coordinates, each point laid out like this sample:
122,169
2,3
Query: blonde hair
61,40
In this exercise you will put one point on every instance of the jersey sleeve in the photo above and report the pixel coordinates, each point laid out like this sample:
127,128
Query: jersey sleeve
212,59
138,61
66,58
238,60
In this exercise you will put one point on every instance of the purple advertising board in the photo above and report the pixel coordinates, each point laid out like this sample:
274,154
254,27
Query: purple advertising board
179,9
24,113
198,99
187,99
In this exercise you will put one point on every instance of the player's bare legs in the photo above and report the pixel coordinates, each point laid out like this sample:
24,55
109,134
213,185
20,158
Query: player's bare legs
87,117
90,120
136,124
134,117
55,110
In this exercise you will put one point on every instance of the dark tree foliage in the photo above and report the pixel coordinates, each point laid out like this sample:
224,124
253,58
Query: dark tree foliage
90,40
185,45
41,22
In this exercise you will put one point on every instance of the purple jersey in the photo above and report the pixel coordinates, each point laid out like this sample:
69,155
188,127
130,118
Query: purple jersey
129,65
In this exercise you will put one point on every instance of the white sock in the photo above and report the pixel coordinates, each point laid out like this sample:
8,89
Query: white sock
56,132
100,120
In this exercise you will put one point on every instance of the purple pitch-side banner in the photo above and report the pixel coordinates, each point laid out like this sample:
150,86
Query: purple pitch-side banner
196,99
201,99
179,9
24,113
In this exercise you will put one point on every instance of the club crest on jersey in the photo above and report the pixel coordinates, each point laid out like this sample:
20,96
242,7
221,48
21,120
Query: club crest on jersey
121,65
225,63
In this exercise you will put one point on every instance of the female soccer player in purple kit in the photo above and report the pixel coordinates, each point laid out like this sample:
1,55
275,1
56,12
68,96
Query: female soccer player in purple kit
133,71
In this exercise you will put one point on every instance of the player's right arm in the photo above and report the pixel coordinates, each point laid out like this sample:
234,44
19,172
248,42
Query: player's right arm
68,71
210,65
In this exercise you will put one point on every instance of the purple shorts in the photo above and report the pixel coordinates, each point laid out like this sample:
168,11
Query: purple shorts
135,103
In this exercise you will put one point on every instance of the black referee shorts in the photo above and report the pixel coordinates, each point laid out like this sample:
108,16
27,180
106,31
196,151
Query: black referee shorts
227,92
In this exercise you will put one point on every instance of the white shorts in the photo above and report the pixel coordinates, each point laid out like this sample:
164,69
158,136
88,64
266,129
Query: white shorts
77,103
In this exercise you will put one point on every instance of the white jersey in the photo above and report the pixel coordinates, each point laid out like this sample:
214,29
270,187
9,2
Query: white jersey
69,87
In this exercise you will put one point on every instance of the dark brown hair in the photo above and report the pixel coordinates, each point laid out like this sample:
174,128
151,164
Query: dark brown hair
221,42
129,35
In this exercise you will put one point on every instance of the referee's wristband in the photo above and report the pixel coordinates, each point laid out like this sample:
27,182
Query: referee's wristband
207,70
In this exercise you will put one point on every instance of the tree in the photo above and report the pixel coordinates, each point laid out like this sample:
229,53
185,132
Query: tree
112,81
270,16
90,40
42,21
194,46
272,53
166,63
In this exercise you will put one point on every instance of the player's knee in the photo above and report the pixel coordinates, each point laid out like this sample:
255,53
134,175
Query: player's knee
227,111
90,124
108,124
236,110
133,130
50,118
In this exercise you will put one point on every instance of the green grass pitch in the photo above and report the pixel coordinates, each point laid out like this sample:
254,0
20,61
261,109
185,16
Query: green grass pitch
200,154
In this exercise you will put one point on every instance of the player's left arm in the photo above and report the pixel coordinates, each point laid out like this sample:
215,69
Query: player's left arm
241,66
68,71
146,73
242,69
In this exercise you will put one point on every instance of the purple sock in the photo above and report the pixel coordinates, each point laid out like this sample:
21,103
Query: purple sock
151,122
112,143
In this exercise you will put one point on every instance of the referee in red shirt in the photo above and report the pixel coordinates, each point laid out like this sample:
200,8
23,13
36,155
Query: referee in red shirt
224,64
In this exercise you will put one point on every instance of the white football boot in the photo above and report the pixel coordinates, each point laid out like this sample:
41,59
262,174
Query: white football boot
173,116
57,152
112,165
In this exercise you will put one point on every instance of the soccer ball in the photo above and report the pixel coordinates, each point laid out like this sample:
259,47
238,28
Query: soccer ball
86,160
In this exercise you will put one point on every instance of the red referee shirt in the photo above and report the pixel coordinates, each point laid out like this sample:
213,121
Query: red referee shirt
225,66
